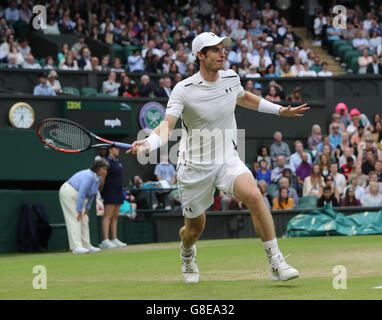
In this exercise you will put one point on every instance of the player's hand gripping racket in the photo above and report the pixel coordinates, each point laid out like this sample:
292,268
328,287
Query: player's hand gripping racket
67,136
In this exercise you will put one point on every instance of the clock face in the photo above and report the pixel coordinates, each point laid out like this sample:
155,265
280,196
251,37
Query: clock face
21,115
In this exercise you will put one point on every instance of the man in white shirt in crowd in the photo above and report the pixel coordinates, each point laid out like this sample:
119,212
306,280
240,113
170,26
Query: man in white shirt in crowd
338,178
110,86
296,158
136,62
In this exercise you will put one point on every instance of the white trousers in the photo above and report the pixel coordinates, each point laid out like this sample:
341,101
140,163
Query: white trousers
78,231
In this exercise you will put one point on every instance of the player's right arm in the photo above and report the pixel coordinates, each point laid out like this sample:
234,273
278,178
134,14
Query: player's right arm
160,136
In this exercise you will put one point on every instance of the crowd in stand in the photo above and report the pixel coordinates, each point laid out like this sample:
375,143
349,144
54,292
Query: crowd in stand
342,168
264,44
362,29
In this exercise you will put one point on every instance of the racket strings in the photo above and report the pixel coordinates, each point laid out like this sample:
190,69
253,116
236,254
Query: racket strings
65,136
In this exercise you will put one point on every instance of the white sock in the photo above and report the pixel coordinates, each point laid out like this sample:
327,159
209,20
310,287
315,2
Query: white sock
185,252
271,248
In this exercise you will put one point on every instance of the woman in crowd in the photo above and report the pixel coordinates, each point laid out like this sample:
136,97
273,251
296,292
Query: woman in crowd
329,182
271,71
244,67
263,154
362,178
350,200
283,201
263,173
53,82
113,197
345,143
69,64
76,197
314,183
324,164
272,94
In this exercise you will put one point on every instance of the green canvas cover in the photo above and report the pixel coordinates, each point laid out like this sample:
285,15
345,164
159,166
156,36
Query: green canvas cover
327,221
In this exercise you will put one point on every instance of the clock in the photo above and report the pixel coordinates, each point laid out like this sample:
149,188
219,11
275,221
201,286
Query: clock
21,115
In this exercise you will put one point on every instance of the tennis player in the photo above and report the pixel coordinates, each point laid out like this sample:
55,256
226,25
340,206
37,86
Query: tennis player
206,102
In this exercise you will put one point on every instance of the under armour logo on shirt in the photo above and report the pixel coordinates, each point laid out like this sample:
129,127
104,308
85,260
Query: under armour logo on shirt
228,90
188,209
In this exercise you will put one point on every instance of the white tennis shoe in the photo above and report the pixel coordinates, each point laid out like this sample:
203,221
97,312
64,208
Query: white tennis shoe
189,268
94,249
80,250
280,270
118,243
107,244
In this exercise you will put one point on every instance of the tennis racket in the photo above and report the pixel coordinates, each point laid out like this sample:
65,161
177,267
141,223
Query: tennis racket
68,136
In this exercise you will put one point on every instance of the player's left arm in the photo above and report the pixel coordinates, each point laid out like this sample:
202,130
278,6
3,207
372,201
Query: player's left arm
253,102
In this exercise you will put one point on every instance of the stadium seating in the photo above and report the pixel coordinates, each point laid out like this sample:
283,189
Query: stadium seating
271,189
71,90
88,92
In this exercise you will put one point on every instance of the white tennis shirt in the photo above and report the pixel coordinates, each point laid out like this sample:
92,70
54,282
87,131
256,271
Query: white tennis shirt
207,110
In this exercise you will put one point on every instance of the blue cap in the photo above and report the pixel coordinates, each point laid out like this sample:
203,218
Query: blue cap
258,86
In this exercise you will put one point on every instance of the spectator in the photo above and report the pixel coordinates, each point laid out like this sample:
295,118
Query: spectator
362,178
359,191
252,72
263,173
272,94
165,170
85,58
347,167
124,89
296,158
77,47
263,154
49,63
12,12
113,197
374,198
69,63
329,182
13,49
73,193
146,87
257,89
347,153
378,169
327,198
24,48
368,145
165,89
279,168
342,110
314,183
297,67
145,199
357,137
62,55
43,89
287,71
244,67
319,22
292,193
30,64
350,200
53,82
283,201
304,169
94,65
364,61
324,164
296,95
249,86
307,72
360,42
66,25
52,27
135,62
105,64
369,164
374,67
344,144
325,142
12,61
263,189
315,138
339,179
25,13
335,136
373,177
316,66
279,147
110,86
303,53
271,71
117,66
325,70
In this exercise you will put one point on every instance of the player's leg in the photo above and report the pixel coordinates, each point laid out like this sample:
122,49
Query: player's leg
246,190
189,234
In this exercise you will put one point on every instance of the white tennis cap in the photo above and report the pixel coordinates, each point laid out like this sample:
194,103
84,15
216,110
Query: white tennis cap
208,39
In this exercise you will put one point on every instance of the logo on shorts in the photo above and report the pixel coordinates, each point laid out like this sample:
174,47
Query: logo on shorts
150,115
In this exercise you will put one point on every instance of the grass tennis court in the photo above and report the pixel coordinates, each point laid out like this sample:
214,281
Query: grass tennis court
229,269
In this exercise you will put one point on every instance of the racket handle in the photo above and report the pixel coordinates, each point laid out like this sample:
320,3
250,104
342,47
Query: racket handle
121,145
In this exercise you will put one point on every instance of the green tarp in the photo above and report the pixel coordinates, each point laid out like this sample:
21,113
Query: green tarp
327,221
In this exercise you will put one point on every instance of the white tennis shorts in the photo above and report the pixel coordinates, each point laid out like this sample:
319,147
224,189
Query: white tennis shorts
197,186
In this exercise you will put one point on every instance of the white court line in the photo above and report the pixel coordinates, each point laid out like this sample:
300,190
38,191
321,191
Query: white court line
380,287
